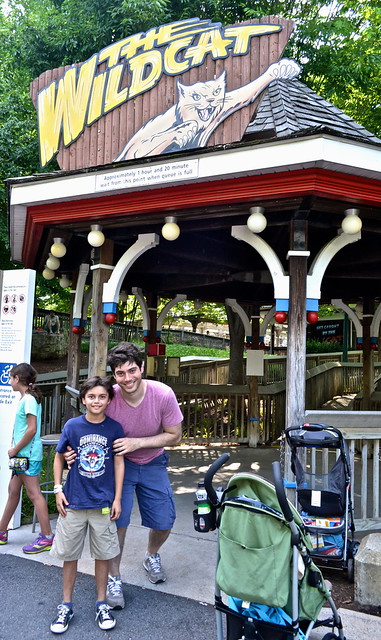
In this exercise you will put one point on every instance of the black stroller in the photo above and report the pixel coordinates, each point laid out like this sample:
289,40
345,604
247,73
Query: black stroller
323,493
267,587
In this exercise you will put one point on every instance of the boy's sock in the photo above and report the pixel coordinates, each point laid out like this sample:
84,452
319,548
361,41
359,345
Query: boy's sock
99,602
69,605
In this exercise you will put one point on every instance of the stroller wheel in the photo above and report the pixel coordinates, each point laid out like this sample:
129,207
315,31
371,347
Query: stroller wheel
351,570
330,636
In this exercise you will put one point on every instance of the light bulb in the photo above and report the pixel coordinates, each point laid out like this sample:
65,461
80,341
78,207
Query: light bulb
64,282
352,223
96,237
58,249
256,221
52,262
48,274
170,230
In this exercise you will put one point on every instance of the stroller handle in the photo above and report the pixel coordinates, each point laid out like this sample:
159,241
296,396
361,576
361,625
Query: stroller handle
313,426
208,480
280,492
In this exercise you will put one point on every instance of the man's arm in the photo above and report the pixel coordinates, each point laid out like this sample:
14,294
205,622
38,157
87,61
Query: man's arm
116,507
61,500
168,438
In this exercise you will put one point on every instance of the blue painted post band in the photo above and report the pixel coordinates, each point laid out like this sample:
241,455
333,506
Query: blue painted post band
312,304
281,304
110,307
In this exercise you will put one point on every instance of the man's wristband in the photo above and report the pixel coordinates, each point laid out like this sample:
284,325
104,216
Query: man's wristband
57,488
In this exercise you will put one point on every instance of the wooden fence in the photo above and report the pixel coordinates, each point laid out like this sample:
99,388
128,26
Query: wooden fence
215,411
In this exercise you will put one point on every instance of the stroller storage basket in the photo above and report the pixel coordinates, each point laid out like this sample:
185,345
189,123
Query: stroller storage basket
320,463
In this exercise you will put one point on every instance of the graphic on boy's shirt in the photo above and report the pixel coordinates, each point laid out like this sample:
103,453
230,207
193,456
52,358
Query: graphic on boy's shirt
92,453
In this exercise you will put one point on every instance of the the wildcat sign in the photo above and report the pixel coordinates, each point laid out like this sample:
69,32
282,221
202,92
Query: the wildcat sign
112,81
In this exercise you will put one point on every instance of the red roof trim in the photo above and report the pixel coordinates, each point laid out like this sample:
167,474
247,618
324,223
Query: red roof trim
319,182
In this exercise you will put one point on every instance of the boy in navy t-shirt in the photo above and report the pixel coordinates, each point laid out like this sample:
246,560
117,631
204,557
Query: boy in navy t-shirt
90,498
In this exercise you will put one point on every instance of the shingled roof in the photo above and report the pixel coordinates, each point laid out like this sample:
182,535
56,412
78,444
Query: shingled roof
291,108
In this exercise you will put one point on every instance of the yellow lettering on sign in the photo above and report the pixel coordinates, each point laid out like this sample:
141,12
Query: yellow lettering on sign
114,97
112,53
176,30
243,33
76,98
172,64
132,46
68,110
96,101
211,42
146,70
50,113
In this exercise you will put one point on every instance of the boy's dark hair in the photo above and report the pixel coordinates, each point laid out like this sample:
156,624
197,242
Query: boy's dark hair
124,352
96,381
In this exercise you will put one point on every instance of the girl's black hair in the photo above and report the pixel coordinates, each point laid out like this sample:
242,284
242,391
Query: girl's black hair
96,381
27,375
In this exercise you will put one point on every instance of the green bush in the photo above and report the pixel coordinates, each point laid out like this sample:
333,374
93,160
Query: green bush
314,346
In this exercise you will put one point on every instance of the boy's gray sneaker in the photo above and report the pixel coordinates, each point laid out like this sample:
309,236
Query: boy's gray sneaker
152,564
114,593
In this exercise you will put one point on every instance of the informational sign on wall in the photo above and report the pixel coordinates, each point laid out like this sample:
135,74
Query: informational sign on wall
16,322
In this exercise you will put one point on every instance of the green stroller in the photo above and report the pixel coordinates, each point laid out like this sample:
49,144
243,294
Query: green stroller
267,587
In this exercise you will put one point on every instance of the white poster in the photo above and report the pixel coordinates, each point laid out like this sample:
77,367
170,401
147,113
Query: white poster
16,325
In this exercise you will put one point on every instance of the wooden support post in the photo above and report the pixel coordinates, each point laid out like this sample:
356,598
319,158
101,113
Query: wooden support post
252,382
99,329
56,410
366,358
296,340
73,364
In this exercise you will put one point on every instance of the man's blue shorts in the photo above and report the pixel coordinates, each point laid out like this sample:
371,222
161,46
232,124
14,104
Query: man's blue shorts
151,484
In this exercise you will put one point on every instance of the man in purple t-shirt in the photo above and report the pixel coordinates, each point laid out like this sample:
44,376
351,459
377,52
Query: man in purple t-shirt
151,419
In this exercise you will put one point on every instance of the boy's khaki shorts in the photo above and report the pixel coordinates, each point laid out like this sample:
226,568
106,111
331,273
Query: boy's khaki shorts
71,533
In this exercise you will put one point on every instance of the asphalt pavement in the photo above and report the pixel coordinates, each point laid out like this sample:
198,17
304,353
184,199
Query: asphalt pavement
180,608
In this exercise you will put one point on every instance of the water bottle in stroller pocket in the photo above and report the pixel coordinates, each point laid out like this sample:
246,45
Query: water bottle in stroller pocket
204,516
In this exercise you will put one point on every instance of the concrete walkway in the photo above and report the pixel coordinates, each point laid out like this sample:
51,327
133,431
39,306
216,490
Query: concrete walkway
190,557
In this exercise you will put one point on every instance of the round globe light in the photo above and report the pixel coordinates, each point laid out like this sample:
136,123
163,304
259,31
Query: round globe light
96,237
256,221
58,249
52,262
48,274
352,223
64,282
170,230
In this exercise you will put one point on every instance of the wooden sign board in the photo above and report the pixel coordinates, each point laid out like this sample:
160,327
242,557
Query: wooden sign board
184,85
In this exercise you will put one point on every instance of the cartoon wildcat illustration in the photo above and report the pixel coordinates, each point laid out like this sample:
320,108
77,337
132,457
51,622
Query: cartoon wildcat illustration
200,109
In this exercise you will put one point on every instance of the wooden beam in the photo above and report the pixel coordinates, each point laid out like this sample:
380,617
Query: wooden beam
99,329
